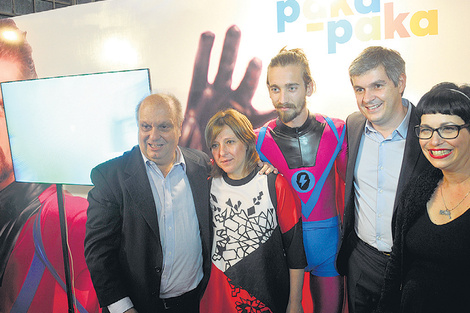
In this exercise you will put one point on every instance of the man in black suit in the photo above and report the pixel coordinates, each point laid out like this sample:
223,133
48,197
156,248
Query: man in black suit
148,234
383,154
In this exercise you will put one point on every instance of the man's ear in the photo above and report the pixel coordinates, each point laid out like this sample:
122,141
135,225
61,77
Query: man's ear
402,82
309,89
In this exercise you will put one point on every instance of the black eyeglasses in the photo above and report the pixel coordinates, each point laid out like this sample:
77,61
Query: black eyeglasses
445,132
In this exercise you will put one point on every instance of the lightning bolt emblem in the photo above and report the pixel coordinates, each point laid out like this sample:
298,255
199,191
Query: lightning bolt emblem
303,181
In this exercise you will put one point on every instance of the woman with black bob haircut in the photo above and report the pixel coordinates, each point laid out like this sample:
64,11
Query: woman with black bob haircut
429,267
446,98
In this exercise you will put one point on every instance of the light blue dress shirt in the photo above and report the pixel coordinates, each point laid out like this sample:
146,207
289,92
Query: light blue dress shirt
179,231
376,177
179,228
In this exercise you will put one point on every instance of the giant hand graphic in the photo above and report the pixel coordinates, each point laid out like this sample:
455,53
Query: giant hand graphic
206,99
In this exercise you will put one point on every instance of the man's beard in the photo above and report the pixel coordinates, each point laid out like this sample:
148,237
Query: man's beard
287,116
6,168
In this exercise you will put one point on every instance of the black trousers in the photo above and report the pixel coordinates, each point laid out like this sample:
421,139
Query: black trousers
366,269
186,303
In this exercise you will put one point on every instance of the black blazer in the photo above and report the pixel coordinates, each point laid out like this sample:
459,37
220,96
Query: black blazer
414,162
122,244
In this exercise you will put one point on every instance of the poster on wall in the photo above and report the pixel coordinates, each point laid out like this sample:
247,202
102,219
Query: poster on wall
211,61
192,51
213,54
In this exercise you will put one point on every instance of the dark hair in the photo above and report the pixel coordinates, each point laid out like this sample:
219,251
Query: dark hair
293,57
373,57
446,98
241,127
17,50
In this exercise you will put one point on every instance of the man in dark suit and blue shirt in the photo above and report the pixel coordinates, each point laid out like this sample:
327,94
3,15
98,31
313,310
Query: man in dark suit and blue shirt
148,234
383,154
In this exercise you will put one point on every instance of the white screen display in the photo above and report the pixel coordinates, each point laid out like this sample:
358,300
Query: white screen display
61,127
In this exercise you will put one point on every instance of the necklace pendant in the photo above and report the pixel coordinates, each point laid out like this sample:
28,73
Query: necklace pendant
445,212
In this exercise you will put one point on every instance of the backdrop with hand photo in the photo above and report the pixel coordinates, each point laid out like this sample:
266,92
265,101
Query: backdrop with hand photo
213,54
165,36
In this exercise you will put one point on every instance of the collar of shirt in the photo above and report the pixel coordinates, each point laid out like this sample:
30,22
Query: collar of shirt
178,161
398,134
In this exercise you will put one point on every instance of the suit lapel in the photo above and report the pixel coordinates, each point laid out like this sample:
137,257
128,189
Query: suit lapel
355,129
139,190
411,155
197,178
198,181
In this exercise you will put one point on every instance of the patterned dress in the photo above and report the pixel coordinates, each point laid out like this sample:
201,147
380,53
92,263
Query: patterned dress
257,239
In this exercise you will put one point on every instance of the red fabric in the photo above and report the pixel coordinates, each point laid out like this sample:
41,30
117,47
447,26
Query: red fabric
287,215
50,297
224,302
307,303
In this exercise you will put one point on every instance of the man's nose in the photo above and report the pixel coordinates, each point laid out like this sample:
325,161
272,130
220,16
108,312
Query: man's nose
368,96
154,134
282,97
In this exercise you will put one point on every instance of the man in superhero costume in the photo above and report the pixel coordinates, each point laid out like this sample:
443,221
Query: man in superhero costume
309,150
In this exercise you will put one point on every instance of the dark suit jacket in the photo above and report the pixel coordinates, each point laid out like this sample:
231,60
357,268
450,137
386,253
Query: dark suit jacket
122,245
414,162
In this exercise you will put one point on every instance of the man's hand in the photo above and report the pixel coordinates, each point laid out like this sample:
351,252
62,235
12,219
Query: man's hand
206,99
266,168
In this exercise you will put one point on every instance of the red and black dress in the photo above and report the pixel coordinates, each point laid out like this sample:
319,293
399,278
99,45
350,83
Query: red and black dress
257,239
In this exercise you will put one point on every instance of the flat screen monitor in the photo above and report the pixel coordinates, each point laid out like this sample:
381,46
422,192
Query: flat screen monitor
61,127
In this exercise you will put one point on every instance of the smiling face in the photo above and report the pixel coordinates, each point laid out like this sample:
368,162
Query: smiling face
379,100
288,93
229,153
159,132
446,154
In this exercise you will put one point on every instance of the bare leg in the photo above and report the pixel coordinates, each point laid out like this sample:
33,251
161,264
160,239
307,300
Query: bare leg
327,294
